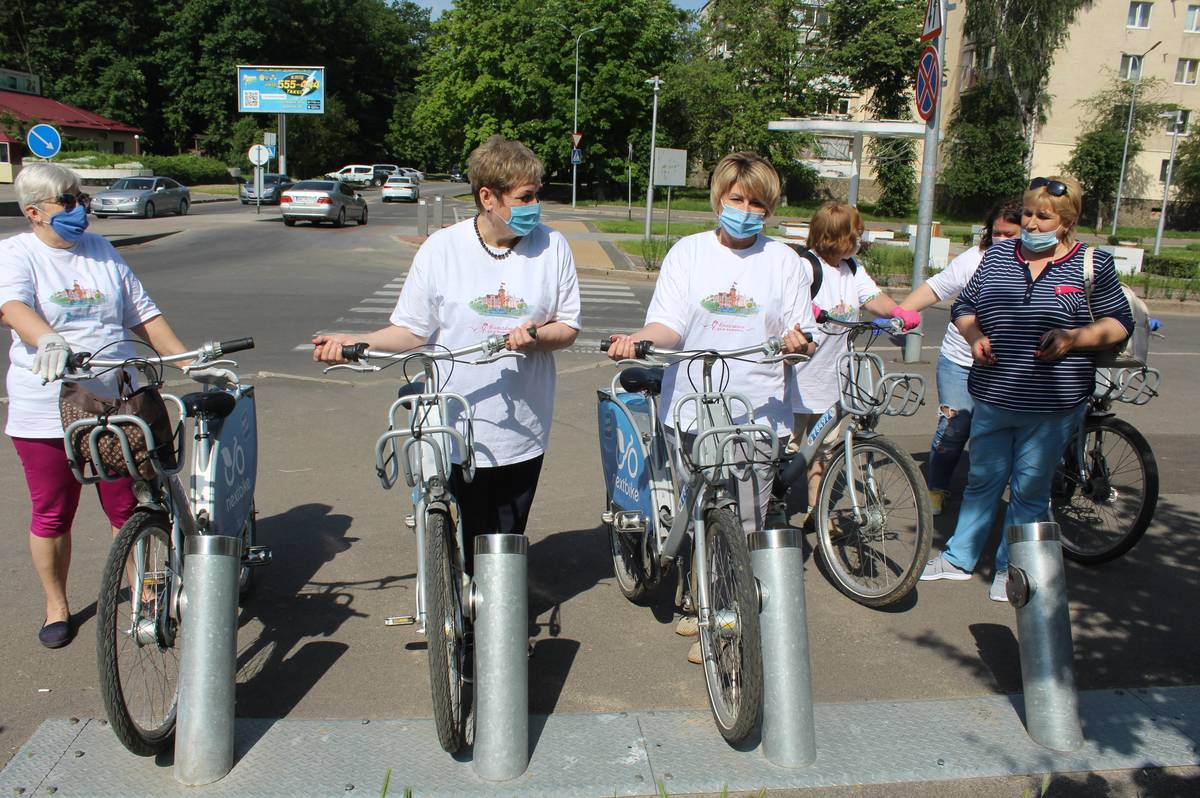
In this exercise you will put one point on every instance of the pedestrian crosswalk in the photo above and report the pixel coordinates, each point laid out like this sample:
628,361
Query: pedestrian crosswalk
605,305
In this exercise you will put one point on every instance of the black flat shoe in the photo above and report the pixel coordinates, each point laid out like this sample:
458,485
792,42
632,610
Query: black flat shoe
56,635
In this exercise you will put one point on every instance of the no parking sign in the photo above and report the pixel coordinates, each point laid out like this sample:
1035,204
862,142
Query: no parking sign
929,83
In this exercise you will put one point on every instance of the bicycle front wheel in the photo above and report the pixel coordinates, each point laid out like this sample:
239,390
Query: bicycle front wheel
445,631
1104,514
729,642
874,555
136,633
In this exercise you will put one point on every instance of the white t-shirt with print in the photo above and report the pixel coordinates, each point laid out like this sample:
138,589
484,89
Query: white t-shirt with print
814,384
89,296
946,284
457,295
716,297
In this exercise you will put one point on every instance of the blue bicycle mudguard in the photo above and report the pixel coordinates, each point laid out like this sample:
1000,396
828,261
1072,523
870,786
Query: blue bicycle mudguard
622,453
234,465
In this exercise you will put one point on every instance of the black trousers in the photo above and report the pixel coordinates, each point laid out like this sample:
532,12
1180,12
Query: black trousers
497,500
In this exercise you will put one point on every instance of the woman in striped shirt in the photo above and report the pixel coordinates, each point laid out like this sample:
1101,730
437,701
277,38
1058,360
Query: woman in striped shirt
1026,315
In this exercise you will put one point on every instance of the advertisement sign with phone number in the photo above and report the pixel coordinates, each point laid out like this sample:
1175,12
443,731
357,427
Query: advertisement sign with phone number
281,90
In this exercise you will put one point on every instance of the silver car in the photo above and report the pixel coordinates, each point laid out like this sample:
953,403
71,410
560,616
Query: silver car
273,187
142,196
322,201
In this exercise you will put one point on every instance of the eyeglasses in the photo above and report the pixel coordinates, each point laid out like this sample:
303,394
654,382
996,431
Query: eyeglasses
1054,188
68,201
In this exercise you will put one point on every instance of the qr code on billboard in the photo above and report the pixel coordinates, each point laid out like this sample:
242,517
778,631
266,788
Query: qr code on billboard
250,99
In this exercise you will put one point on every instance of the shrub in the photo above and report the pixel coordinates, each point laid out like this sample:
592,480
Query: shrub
190,170
889,265
653,250
1169,266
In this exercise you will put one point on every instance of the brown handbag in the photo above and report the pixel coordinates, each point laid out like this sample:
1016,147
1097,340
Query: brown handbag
76,402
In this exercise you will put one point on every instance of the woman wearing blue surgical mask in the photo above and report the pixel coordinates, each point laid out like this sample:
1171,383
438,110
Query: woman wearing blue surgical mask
725,289
1032,328
64,289
499,272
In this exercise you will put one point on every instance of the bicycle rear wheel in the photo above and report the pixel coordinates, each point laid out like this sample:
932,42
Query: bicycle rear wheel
445,632
1106,513
136,651
876,557
730,643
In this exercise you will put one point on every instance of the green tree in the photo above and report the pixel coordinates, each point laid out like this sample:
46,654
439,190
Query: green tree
985,149
876,44
1186,174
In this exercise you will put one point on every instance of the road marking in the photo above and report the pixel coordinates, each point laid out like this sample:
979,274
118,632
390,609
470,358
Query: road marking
370,310
378,301
607,301
387,293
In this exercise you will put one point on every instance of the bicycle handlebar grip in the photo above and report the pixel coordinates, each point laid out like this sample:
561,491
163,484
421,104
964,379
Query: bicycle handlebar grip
1155,325
355,352
642,348
822,317
236,345
78,360
605,343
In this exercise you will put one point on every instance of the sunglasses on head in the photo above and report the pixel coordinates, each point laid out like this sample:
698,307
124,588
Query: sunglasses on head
1054,188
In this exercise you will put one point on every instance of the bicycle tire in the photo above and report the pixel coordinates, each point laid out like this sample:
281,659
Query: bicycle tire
732,658
852,550
1076,508
445,632
636,585
143,739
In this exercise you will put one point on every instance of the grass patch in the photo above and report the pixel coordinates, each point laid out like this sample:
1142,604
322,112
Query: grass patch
657,228
1152,286
223,190
1128,233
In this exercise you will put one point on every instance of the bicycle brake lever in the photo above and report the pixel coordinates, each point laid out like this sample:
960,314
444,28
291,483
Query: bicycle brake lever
207,364
633,361
794,357
498,356
351,367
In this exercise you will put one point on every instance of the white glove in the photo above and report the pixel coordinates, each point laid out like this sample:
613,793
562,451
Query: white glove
213,375
51,359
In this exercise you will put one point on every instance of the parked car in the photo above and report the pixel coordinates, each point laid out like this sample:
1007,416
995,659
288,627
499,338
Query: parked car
322,201
400,187
456,175
354,174
142,196
273,187
416,174
382,171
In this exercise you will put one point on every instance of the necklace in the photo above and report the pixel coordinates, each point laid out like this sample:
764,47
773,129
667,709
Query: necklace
488,249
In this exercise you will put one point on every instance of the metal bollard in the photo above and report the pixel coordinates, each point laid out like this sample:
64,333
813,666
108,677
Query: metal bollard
422,218
788,736
1037,589
208,664
500,607
438,208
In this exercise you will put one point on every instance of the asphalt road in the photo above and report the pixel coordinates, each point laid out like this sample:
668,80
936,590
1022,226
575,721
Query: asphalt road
312,640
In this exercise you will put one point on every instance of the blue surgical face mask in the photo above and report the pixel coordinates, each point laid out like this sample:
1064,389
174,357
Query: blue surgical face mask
741,224
1038,242
70,224
524,218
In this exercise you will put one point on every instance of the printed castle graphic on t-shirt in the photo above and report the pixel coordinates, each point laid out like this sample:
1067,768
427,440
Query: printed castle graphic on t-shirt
730,302
500,303
75,297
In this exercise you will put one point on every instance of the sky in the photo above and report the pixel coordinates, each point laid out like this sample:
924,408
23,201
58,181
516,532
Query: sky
439,6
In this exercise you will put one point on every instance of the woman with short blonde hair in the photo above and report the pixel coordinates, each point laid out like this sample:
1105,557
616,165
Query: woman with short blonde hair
753,173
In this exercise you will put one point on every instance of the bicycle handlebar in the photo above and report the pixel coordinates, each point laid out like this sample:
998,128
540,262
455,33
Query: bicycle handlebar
490,345
894,326
208,352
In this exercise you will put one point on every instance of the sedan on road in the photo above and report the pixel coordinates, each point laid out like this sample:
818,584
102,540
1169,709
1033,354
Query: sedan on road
142,196
322,201
273,187
400,188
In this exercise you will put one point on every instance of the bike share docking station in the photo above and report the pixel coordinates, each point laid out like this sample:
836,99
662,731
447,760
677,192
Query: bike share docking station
204,731
1037,589
788,726
499,606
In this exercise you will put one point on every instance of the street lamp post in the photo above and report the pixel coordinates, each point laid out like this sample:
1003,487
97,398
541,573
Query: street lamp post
1128,129
1162,215
655,81
575,124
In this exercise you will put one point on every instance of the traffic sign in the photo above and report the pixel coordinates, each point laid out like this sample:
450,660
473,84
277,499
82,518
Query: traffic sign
577,156
933,20
44,141
269,138
929,83
576,137
259,154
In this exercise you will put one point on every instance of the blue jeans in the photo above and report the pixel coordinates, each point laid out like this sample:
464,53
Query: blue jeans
955,407
1013,448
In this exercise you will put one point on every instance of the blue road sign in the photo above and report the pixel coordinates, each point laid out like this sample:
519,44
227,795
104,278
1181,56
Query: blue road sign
44,141
576,156
929,83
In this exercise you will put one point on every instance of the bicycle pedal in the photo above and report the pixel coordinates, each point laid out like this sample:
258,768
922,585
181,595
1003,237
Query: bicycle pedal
257,555
400,620
410,521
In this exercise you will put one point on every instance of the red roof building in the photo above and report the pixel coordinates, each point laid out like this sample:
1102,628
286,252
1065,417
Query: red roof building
107,135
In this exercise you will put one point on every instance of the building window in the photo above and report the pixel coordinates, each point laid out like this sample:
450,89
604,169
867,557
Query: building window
4,152
1139,15
1185,71
118,148
1192,25
1162,170
1184,119
1131,67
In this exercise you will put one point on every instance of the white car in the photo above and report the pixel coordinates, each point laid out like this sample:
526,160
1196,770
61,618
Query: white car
400,187
413,173
355,174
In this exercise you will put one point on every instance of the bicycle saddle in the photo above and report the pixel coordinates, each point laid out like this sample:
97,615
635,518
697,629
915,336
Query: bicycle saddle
210,404
642,379
411,389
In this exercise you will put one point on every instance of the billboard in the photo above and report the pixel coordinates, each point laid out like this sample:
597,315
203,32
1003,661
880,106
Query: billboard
281,89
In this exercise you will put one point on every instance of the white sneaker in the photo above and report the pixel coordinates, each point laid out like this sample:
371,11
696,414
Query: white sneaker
999,589
688,626
941,568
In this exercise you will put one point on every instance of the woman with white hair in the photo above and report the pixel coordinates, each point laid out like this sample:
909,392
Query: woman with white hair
64,289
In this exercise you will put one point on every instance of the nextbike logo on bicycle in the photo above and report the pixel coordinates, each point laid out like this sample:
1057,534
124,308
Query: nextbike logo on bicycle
233,468
628,465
